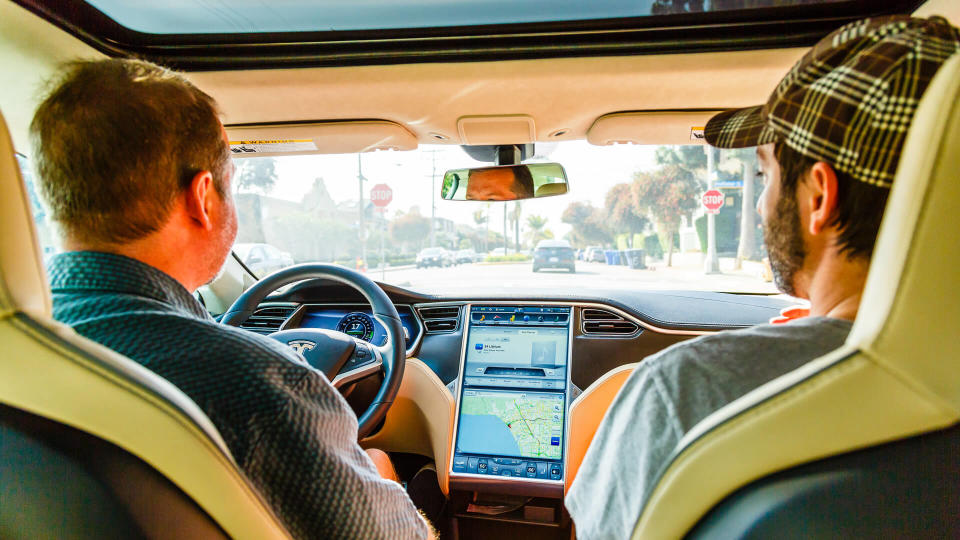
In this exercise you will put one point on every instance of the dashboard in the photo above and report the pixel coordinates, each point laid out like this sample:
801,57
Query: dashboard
513,363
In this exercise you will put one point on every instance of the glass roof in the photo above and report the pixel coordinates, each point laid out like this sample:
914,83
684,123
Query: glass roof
256,16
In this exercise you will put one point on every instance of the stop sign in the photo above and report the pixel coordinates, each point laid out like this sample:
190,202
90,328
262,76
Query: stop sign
381,195
712,201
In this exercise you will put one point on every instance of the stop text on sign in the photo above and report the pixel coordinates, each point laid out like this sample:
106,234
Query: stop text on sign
712,201
381,195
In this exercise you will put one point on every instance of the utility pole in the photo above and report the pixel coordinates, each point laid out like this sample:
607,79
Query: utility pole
433,200
712,264
748,214
505,237
516,226
486,233
363,235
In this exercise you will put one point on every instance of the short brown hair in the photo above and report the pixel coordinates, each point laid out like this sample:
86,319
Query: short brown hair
859,205
116,141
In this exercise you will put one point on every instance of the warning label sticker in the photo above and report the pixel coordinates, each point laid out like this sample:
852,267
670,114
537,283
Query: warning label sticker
696,133
273,146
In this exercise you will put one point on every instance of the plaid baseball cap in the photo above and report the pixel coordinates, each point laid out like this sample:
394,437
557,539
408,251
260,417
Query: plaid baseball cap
850,100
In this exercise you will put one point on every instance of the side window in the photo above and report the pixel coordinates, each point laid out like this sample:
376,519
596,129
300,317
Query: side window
45,232
256,255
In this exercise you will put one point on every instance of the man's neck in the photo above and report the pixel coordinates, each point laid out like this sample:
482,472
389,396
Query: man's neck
148,251
836,286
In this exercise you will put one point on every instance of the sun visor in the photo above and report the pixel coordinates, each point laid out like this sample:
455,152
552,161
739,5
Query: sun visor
348,137
659,127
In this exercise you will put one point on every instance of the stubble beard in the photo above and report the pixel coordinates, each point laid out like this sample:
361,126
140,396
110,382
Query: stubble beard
782,235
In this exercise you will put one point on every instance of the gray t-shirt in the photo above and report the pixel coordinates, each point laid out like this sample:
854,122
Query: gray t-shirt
665,397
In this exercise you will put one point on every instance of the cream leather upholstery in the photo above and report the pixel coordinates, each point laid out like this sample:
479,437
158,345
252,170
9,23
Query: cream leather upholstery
898,373
586,413
48,370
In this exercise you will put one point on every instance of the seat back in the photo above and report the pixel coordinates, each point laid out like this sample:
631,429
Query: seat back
898,374
108,427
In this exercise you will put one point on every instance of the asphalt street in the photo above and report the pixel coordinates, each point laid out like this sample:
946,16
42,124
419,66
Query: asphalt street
686,273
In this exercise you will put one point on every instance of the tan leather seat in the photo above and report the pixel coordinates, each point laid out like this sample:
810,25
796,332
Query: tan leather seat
897,376
586,413
146,448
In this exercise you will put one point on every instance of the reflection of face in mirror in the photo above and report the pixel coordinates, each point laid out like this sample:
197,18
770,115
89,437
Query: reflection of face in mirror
500,184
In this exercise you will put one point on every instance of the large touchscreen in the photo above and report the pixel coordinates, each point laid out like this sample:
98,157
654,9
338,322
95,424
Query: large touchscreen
511,419
511,424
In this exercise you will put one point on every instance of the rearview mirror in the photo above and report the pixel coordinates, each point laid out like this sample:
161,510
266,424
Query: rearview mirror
504,183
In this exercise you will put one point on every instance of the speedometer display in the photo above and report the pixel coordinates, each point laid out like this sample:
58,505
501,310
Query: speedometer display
358,325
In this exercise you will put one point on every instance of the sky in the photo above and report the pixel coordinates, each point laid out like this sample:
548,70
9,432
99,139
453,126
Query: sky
591,171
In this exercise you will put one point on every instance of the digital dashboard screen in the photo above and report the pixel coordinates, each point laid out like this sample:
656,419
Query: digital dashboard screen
512,408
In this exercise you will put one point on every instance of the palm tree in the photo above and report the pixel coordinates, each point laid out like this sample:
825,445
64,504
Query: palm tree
535,229
480,218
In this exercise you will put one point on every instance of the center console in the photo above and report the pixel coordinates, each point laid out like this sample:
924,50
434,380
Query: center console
511,417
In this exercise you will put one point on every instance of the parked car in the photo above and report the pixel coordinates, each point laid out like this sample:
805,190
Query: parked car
434,256
594,254
553,254
497,252
466,256
262,259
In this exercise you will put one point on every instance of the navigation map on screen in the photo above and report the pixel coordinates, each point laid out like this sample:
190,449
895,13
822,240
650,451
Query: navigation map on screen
507,423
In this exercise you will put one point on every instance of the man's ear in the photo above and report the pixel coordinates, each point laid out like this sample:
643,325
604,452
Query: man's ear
822,196
200,199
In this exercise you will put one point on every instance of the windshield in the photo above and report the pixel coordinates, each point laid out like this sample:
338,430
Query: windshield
635,217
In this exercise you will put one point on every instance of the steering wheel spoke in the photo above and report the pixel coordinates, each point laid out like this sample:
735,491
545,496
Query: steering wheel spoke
365,362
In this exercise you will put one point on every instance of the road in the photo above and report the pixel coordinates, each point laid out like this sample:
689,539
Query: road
686,273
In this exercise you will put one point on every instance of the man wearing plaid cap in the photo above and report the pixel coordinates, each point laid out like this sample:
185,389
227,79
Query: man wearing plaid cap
828,141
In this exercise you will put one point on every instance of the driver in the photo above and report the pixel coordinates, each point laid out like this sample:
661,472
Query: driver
500,184
828,142
135,169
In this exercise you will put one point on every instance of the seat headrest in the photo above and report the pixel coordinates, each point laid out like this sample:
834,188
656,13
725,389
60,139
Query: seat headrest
910,310
23,281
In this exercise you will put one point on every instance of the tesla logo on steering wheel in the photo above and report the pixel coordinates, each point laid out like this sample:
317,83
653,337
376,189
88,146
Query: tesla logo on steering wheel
301,345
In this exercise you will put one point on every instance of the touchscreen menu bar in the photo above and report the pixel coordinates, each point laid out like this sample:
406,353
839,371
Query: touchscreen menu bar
519,316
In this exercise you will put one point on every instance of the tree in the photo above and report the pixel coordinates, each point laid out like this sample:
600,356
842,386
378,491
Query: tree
623,214
515,221
690,157
480,218
588,223
256,174
671,7
410,228
536,231
666,195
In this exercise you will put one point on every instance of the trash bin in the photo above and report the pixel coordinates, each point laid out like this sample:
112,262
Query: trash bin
635,258
612,256
623,258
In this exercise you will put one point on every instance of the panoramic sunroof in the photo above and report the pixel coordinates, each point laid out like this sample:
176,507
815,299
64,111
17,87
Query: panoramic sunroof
246,34
258,16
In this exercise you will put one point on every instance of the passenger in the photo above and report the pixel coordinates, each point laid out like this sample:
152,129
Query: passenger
828,141
135,168
500,184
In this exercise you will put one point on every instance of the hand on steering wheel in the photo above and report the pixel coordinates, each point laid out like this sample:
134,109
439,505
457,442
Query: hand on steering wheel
340,357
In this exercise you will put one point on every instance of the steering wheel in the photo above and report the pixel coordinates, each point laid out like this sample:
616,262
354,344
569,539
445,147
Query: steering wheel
340,357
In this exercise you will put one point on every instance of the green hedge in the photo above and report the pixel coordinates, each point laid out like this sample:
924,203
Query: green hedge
652,246
727,229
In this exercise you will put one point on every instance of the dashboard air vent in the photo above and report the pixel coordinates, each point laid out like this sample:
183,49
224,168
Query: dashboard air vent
267,320
440,319
599,321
